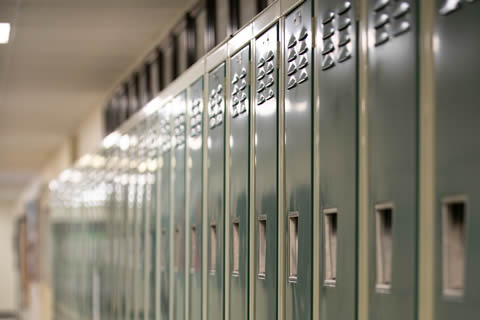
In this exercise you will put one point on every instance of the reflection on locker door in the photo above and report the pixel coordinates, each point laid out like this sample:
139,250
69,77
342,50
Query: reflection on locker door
266,167
393,138
164,237
298,162
337,122
239,182
178,256
457,283
195,165
215,190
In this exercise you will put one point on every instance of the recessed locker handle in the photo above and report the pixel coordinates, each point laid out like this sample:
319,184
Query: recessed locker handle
178,254
453,246
163,253
384,246
236,248
330,249
293,246
213,248
193,249
262,247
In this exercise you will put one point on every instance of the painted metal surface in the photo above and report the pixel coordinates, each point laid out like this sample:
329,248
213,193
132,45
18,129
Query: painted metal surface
152,208
194,166
140,224
456,50
164,245
298,162
131,234
178,180
239,183
266,168
215,191
337,121
393,143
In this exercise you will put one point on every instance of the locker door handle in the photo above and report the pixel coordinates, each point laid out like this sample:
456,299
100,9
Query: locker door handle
236,248
453,245
293,246
262,247
384,246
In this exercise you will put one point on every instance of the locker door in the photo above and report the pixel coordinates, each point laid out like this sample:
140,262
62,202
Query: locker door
154,63
222,20
123,199
178,181
169,67
133,101
266,168
337,122
144,81
131,230
392,122
139,226
152,200
457,284
298,162
164,249
215,189
195,165
239,182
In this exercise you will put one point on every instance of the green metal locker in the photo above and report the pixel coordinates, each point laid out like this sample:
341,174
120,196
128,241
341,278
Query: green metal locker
393,165
131,234
152,200
215,192
165,191
239,183
457,154
140,226
298,162
337,122
178,180
195,165
266,170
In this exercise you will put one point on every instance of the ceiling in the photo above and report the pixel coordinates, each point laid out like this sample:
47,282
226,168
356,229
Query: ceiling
63,59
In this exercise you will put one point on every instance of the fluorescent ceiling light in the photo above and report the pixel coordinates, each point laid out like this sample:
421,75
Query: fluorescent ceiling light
4,32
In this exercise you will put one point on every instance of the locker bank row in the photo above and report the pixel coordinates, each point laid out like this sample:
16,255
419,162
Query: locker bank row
322,163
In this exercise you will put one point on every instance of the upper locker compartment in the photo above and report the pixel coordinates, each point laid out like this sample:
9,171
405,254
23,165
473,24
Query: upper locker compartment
265,168
393,143
178,109
457,154
194,191
239,183
298,162
337,156
215,192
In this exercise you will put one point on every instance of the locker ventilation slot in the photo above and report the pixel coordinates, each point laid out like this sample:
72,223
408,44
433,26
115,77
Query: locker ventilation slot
384,228
178,255
193,249
213,248
453,247
236,248
292,246
262,247
330,226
